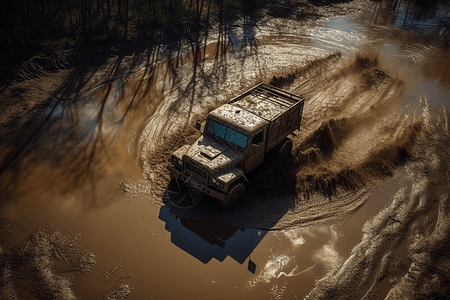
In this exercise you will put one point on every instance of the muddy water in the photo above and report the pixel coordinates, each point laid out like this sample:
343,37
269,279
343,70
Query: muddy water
363,196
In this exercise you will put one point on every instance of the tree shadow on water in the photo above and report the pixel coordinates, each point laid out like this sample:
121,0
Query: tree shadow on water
206,81
69,136
62,141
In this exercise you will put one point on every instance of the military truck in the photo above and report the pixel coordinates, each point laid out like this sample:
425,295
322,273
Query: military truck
237,137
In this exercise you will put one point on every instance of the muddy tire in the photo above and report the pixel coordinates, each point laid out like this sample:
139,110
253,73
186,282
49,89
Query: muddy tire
284,149
181,196
235,193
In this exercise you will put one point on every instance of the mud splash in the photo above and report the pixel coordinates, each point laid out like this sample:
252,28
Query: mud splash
352,137
321,171
418,214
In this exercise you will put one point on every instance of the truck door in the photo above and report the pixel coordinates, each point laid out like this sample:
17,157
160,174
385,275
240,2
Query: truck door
256,152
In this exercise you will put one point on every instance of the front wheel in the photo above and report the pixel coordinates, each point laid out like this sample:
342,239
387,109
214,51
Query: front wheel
235,193
181,196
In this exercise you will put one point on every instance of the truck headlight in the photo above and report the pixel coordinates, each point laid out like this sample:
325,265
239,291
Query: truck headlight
176,162
216,182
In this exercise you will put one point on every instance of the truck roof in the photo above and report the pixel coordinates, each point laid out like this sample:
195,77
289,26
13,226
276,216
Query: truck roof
240,118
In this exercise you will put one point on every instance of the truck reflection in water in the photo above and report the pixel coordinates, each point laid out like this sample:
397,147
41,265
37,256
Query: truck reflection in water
205,240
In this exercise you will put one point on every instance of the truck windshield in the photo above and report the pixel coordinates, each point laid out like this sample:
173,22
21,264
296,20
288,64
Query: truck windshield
227,134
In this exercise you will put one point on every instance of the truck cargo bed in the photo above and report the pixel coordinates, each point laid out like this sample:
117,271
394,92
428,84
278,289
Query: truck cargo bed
281,109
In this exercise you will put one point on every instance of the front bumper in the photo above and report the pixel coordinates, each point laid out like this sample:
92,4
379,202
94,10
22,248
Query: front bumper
186,179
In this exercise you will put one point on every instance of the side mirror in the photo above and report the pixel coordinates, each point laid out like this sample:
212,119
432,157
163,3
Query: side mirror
198,125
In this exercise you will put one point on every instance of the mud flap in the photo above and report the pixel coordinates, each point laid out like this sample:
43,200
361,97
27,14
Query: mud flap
251,266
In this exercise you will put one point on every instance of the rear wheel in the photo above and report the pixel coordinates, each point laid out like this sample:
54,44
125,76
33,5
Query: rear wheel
235,193
284,149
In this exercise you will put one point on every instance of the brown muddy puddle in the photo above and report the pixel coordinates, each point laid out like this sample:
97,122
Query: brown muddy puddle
100,170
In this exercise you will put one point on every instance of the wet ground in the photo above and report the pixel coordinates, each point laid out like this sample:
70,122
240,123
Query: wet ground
360,210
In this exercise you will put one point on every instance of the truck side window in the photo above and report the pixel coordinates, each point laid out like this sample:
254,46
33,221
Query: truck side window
257,138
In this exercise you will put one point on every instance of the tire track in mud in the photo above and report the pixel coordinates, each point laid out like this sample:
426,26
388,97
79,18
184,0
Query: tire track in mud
419,215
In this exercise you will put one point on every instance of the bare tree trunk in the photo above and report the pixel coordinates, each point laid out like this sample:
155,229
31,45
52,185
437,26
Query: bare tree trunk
152,6
89,12
190,5
209,9
7,21
126,19
108,12
70,17
199,17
